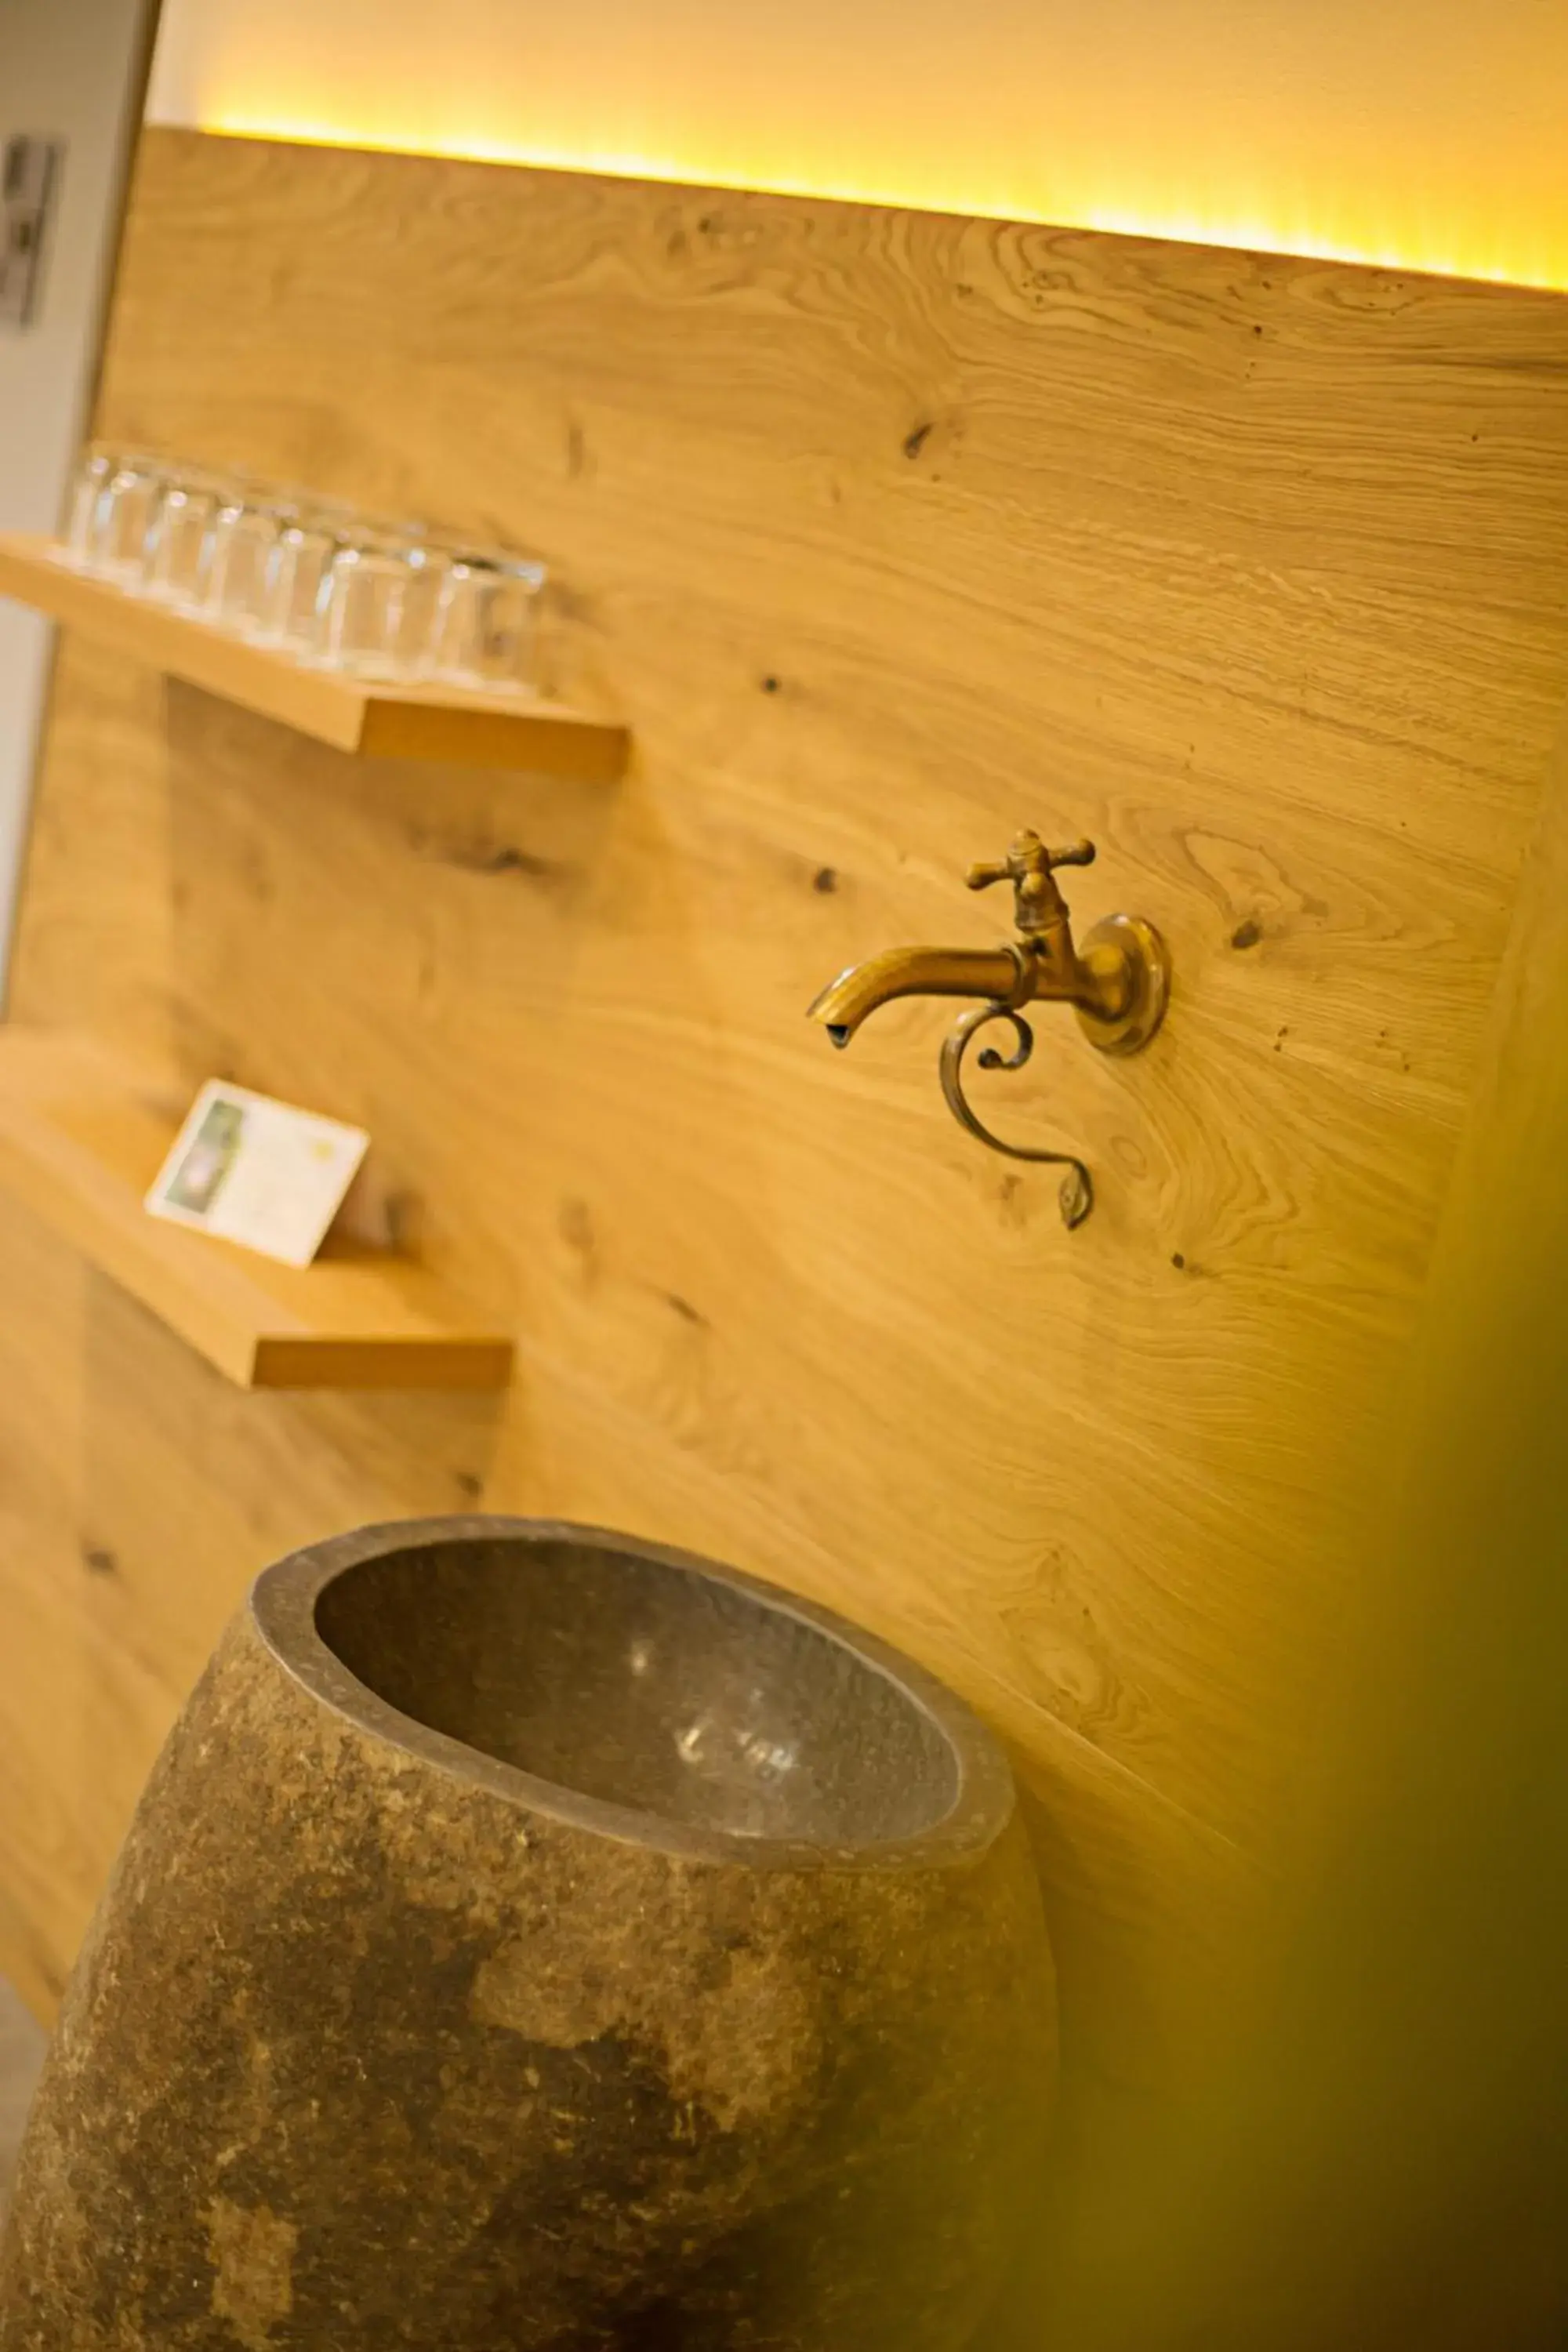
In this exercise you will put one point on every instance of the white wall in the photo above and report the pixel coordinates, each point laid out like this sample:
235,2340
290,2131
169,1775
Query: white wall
1426,132
71,69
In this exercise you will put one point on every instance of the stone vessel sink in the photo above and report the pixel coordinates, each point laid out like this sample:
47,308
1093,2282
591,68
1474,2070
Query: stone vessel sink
533,1940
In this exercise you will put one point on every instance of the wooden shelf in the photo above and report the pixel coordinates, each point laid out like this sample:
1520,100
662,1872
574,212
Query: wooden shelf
394,722
82,1135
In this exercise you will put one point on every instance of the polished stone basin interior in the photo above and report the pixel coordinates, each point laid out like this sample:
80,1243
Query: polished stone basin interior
635,1678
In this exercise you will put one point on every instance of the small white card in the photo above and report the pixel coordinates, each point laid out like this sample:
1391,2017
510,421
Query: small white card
260,1172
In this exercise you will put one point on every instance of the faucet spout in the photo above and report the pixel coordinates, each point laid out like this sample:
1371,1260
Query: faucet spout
983,973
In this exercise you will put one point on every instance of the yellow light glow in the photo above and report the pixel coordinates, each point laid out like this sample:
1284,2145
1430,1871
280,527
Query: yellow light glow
1424,136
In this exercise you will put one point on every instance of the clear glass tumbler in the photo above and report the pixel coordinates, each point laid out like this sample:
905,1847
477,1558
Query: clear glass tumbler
241,546
96,469
484,632
370,607
180,541
429,563
298,571
127,512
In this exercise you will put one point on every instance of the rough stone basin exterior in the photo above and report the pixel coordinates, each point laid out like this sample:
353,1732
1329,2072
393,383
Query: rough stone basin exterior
533,1938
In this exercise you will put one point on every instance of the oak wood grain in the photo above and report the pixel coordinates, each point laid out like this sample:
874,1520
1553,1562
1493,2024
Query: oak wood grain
885,533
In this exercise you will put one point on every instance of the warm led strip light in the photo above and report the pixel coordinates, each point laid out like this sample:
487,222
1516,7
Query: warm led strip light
1427,139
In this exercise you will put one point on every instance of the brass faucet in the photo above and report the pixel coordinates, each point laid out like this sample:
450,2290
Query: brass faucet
1117,984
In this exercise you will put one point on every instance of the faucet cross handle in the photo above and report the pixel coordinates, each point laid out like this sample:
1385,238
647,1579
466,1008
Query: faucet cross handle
1029,867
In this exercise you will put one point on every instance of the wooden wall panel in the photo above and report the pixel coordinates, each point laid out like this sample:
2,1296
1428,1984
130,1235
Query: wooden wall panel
887,533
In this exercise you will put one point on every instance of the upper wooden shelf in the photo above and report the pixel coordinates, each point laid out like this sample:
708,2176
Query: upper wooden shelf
83,1136
398,722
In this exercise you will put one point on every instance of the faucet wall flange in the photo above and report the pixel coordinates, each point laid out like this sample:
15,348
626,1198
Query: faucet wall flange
1137,965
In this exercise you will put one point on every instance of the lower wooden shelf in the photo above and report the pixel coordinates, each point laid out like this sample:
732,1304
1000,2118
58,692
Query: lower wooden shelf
82,1135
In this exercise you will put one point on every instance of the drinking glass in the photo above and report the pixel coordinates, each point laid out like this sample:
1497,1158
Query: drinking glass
241,545
298,571
370,607
180,541
429,563
127,510
485,625
95,470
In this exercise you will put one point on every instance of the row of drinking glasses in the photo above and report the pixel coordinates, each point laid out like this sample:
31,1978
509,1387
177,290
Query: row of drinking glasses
384,600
